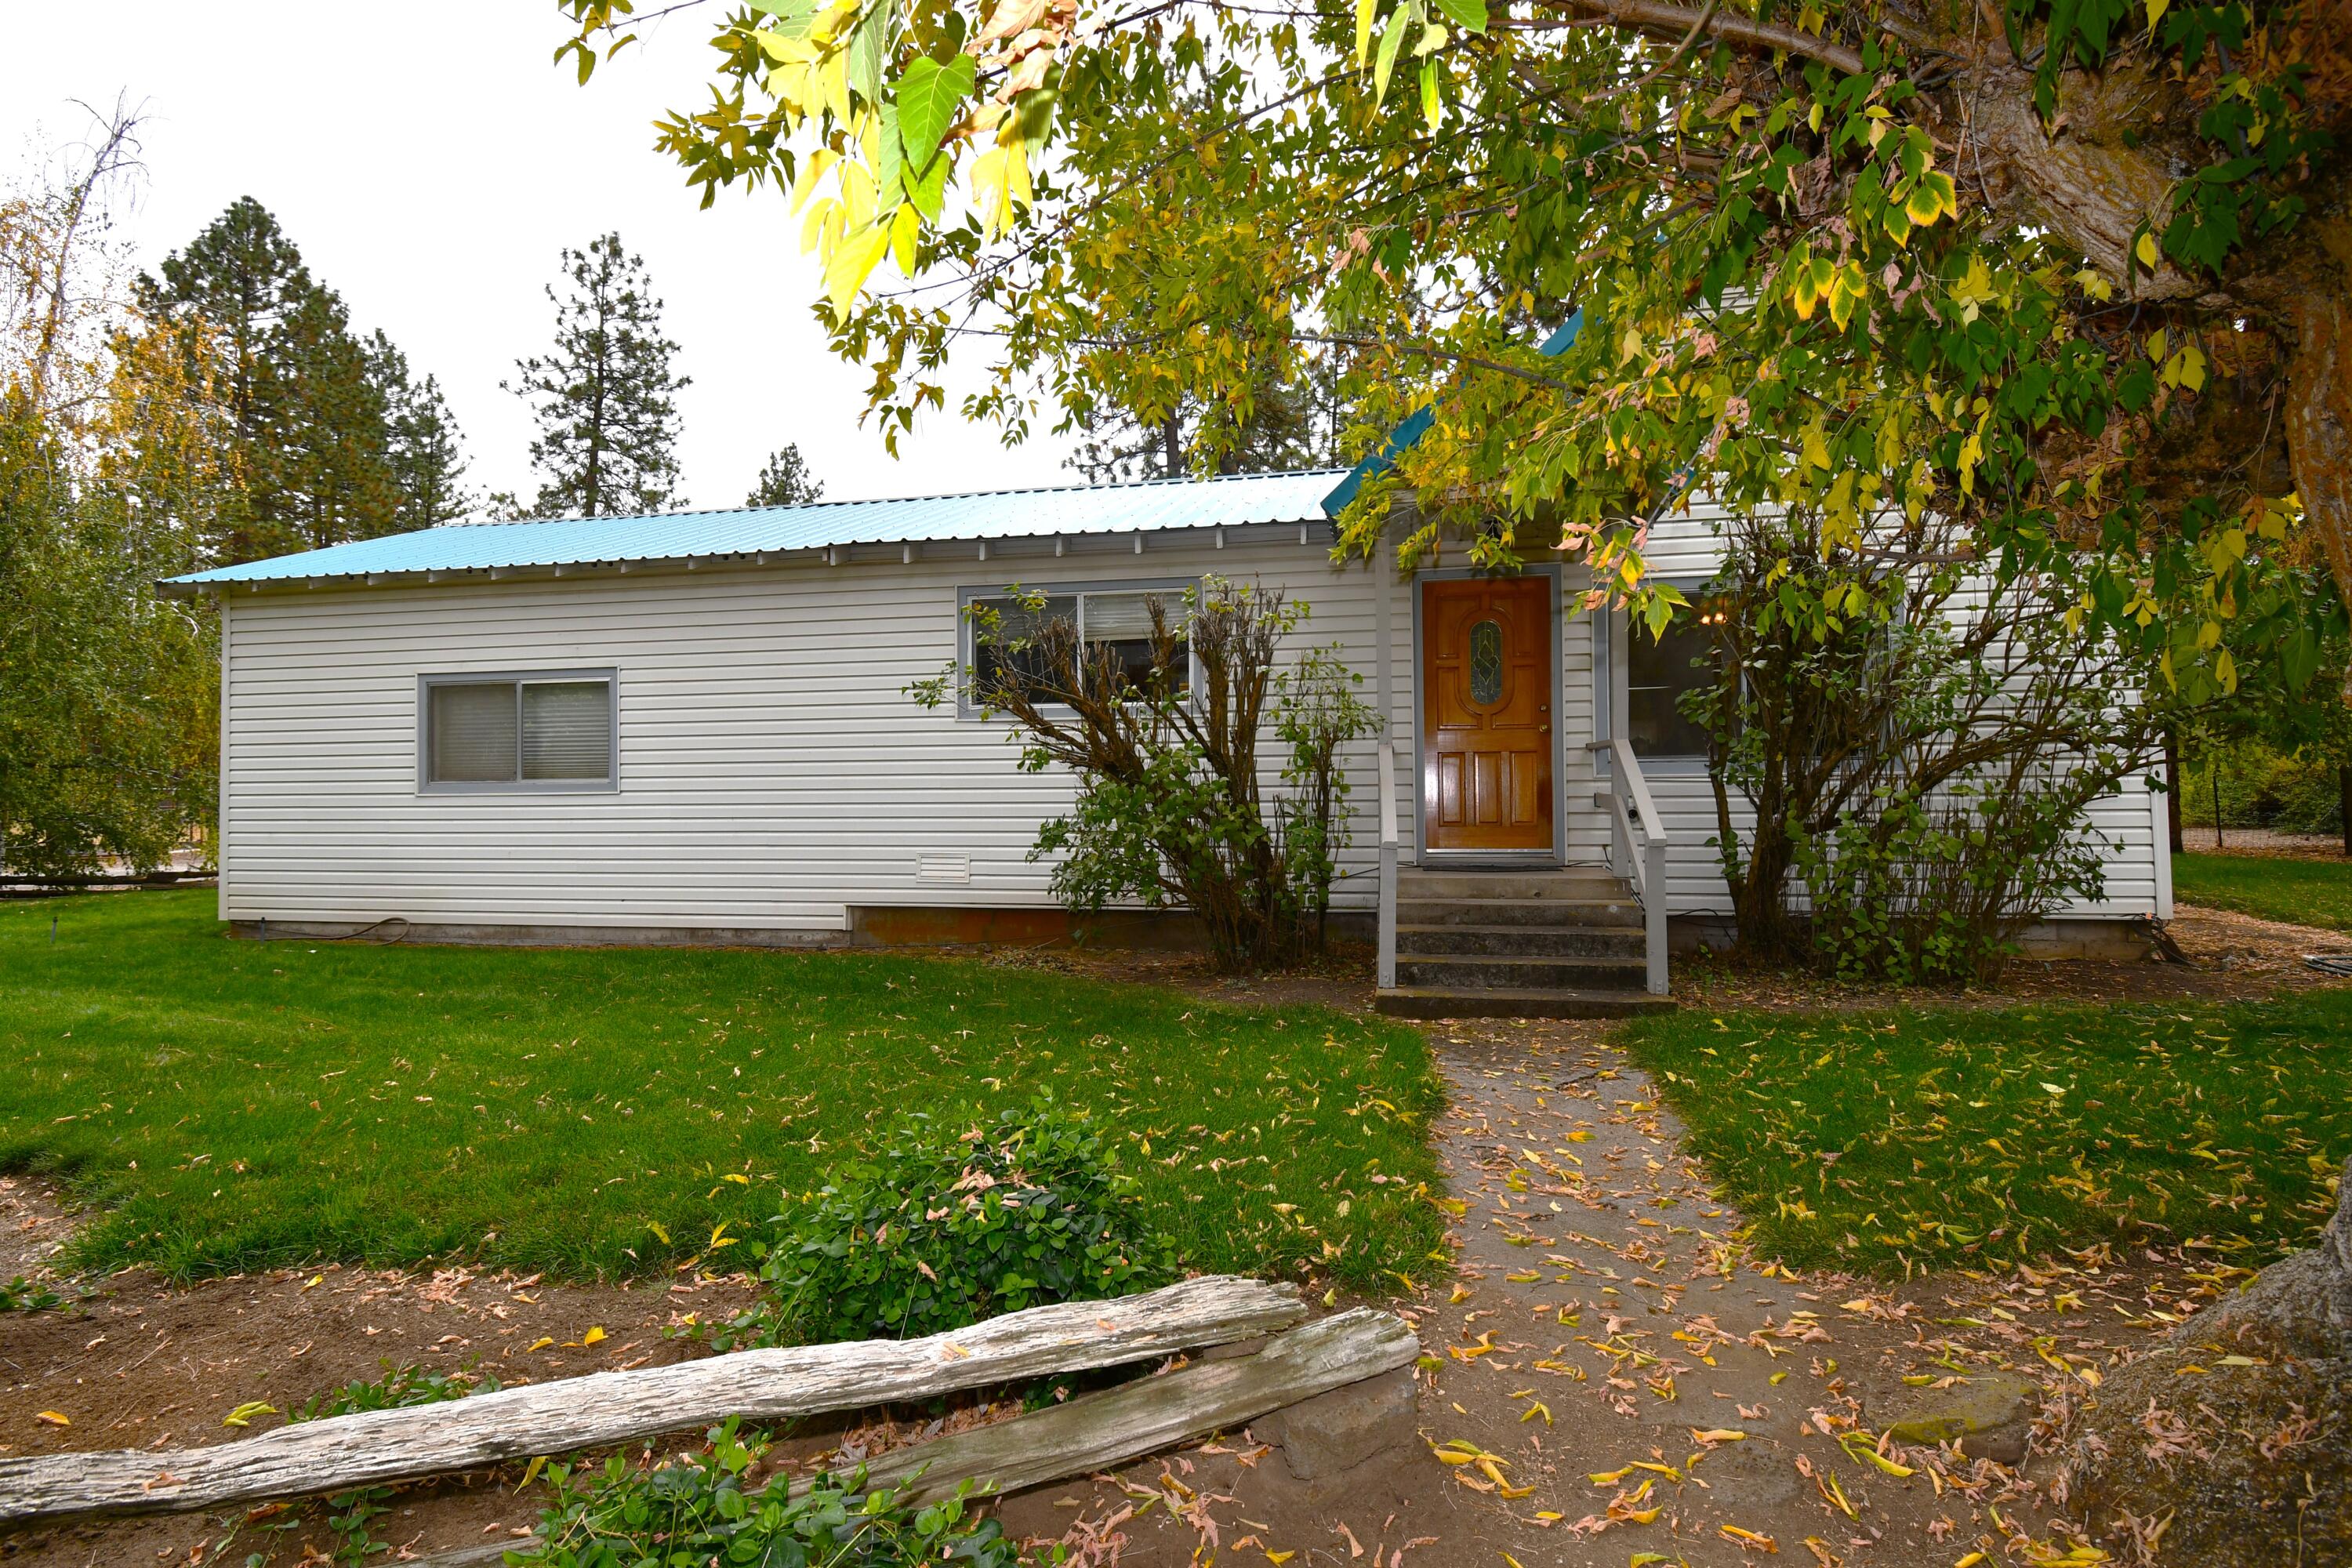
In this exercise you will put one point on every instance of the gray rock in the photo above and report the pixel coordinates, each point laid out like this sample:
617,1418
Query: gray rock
1990,1416
1339,1430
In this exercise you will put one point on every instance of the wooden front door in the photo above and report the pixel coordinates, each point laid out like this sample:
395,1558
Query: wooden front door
1485,713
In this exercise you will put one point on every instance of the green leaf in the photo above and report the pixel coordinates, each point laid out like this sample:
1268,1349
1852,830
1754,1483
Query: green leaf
866,48
796,15
928,189
1433,107
1470,15
928,97
1391,42
890,165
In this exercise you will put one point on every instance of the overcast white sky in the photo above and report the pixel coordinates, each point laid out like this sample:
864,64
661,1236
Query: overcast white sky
430,162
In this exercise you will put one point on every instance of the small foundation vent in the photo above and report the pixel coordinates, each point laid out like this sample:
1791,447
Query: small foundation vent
943,870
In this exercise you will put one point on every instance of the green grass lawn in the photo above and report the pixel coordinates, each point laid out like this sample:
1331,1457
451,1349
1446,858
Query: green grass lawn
230,1105
1883,1140
2301,892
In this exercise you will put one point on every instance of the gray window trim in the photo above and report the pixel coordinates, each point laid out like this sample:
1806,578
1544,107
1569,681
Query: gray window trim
965,713
426,785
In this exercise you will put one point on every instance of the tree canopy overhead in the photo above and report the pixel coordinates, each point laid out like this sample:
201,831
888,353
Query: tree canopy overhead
2072,271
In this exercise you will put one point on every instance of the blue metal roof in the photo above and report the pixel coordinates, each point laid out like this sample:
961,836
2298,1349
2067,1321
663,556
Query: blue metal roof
1151,505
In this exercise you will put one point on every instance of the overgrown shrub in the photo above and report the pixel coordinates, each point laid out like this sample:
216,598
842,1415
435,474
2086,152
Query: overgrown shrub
945,1225
1917,737
1923,892
1172,808
698,1509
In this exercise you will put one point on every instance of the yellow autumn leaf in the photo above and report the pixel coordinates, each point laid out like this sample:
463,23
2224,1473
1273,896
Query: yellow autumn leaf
244,1414
593,1336
2145,252
54,1417
1279,1558
540,1343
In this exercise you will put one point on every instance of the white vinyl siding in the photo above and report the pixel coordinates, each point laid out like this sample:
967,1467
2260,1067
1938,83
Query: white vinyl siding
773,769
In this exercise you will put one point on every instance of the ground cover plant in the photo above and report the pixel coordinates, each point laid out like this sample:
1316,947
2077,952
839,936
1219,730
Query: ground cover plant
702,1508
229,1105
2300,892
1897,1141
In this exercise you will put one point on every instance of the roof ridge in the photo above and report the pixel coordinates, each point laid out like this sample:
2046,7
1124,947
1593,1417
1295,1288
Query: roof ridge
905,500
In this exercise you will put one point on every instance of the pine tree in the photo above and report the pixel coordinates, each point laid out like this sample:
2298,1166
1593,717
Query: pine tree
424,450
604,397
786,480
301,391
1296,420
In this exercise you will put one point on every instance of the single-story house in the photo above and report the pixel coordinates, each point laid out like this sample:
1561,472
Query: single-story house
699,727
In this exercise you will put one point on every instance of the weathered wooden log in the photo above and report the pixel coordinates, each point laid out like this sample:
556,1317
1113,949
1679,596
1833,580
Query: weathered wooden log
1099,1430
609,1408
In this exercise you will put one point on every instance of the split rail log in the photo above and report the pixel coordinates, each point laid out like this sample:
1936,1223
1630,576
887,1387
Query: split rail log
607,1409
1097,1431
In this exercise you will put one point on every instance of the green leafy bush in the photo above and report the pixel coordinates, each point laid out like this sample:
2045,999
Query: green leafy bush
698,1509
943,1228
399,1388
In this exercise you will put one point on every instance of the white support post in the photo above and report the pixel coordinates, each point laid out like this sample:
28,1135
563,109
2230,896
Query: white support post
1653,914
1388,867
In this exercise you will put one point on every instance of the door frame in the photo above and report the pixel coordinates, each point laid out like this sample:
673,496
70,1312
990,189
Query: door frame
1423,854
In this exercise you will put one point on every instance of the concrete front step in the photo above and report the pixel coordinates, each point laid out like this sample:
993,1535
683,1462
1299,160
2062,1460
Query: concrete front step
1419,883
1429,1002
1468,972
1575,913
1522,941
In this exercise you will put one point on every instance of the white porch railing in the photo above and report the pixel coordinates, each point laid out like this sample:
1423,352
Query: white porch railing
1388,865
1638,842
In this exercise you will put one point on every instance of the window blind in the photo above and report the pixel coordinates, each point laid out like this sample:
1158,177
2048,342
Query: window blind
1117,617
473,729
521,731
567,729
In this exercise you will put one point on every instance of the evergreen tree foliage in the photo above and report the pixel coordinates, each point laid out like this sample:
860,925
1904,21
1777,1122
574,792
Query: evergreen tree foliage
312,405
605,396
786,480
1292,418
423,448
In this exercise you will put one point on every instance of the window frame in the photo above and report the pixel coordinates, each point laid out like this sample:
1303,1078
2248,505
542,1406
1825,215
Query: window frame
1614,700
609,783
1173,588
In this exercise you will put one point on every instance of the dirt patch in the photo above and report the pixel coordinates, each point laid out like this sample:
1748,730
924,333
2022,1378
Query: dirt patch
140,1364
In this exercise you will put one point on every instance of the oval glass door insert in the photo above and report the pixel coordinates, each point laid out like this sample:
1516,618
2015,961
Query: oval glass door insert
1487,664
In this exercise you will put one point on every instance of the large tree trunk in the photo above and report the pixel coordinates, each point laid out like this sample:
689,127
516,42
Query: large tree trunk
2122,141
2236,1431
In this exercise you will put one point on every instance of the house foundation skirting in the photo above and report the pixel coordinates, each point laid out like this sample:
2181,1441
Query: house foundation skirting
868,926
2109,937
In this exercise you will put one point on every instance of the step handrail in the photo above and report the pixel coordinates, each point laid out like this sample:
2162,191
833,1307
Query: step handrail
1638,841
1388,965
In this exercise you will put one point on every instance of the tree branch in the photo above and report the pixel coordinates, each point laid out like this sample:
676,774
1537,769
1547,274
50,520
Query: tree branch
1669,21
